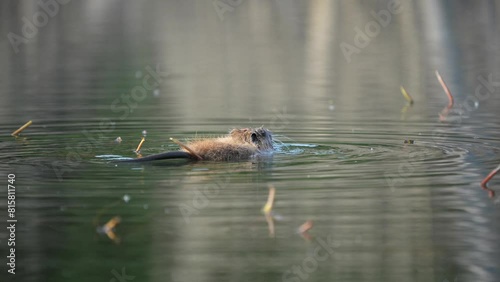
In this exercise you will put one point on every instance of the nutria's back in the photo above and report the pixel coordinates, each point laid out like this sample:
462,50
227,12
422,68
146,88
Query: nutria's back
240,144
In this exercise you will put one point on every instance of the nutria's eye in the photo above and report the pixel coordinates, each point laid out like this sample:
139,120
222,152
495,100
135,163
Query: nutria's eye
254,137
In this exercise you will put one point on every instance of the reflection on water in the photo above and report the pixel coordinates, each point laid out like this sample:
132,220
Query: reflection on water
375,208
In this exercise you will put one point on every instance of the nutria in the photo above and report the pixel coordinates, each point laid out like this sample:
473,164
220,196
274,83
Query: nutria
238,145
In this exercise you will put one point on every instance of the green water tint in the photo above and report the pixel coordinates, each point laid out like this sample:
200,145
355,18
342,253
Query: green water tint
392,211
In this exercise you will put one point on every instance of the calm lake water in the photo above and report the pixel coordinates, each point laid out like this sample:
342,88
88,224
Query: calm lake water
324,76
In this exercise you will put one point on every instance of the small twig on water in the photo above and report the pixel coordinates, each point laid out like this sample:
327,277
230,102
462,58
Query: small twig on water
446,90
15,133
406,95
268,207
270,200
304,228
109,229
444,113
485,181
140,145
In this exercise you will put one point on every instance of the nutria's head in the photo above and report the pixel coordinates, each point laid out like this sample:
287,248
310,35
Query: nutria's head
261,137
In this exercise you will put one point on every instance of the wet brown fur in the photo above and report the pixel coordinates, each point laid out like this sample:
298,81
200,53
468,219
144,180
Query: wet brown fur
240,144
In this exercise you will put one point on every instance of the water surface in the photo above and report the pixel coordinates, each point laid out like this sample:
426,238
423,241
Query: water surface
388,211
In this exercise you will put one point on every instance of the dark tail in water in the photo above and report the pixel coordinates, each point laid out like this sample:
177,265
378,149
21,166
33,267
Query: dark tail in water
162,156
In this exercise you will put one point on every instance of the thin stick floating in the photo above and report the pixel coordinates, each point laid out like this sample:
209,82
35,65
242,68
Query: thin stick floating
406,95
303,230
109,229
140,145
490,176
306,226
111,224
268,207
446,90
186,148
15,133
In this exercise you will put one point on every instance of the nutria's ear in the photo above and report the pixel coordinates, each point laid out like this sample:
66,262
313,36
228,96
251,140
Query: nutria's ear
235,131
